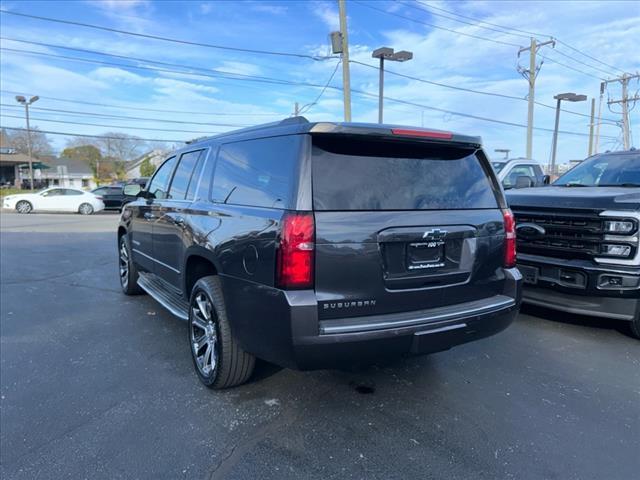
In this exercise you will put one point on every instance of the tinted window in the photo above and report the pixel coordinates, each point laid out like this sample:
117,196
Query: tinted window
378,175
604,170
183,176
69,191
257,172
100,191
193,184
160,182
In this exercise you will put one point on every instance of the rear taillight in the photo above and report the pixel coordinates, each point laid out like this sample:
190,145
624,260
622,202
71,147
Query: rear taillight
422,133
510,239
294,269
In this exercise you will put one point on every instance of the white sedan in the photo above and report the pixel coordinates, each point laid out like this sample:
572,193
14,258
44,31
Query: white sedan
55,200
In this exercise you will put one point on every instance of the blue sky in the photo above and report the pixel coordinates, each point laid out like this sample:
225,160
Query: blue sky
608,31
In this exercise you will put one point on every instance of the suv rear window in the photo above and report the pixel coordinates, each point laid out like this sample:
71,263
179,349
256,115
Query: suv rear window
352,174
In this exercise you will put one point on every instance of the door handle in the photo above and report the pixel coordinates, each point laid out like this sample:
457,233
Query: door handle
149,216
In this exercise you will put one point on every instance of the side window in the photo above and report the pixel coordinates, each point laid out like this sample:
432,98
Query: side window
160,181
69,191
257,172
184,174
53,193
101,191
518,171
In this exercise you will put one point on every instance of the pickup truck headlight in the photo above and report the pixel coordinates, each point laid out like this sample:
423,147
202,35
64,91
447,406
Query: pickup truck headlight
616,250
619,227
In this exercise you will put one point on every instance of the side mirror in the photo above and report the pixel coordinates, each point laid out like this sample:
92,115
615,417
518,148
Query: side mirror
132,190
524,181
547,179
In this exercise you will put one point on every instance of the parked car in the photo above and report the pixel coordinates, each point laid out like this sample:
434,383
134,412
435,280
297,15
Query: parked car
317,245
113,197
55,200
519,173
579,240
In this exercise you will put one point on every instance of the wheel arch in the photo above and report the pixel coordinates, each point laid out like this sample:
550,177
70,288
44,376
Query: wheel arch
198,263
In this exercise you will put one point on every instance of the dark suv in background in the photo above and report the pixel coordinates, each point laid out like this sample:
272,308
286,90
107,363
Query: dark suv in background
579,239
317,245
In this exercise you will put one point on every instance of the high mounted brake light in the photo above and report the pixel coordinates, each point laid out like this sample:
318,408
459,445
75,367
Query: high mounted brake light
510,239
422,133
296,255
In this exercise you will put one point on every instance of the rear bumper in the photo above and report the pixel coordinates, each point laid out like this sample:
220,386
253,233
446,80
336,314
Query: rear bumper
283,327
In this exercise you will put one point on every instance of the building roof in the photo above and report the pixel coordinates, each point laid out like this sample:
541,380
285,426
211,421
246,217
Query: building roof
14,158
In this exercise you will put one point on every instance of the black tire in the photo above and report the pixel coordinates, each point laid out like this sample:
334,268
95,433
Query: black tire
127,270
635,326
233,366
85,209
24,207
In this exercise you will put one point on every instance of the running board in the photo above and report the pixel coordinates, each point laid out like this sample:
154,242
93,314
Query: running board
164,296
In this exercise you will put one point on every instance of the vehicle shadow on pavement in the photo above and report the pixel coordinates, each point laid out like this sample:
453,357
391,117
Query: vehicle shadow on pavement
579,320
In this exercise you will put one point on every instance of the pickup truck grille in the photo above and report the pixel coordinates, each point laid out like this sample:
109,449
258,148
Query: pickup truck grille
562,234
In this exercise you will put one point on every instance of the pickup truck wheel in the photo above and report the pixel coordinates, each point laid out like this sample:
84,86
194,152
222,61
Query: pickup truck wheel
127,269
218,359
635,327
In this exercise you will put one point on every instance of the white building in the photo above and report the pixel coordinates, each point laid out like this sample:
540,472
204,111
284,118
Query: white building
156,157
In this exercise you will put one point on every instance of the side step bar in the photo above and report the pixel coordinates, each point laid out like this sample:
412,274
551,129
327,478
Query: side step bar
163,295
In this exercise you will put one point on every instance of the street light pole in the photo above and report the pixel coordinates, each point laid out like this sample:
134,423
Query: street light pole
22,100
569,97
387,53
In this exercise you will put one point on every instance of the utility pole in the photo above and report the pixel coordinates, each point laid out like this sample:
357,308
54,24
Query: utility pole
597,146
23,101
624,101
591,125
346,80
530,75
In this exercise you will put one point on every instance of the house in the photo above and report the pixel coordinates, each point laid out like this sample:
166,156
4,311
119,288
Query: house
10,162
65,172
156,156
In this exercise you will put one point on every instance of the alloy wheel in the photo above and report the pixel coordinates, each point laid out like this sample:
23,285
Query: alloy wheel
23,207
86,209
124,264
204,334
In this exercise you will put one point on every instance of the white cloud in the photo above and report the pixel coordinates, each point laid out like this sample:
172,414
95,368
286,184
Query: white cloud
241,68
206,8
117,75
327,13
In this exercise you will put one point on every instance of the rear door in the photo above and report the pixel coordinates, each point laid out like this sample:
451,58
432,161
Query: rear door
403,225
171,226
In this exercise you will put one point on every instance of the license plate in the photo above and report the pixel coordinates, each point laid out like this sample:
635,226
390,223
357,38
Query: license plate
529,274
425,253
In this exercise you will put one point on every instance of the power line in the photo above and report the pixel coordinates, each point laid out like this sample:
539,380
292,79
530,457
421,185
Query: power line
142,109
434,25
487,39
525,32
464,89
166,39
51,132
309,105
125,127
76,113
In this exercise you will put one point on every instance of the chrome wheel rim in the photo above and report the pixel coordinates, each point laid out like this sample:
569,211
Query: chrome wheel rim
204,334
86,209
23,207
124,264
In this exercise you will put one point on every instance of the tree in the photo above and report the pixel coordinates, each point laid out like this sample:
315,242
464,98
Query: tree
146,167
88,154
121,146
39,142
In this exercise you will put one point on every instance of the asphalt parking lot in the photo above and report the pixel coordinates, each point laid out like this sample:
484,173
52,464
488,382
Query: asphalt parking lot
94,384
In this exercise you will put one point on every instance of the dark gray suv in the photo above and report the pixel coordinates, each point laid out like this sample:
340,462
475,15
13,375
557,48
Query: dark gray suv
320,245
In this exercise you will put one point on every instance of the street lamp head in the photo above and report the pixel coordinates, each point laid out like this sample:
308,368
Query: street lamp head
34,99
570,97
383,52
21,99
402,56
